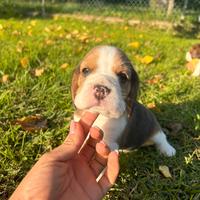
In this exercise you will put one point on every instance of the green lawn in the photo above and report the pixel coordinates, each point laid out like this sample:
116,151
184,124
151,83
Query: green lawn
166,85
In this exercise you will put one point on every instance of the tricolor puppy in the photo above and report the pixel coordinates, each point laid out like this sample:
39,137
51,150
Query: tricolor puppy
106,82
193,58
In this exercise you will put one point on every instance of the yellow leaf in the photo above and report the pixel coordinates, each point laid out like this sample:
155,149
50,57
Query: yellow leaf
147,60
29,33
64,65
32,123
39,71
98,40
20,46
49,42
1,27
165,171
151,105
83,38
156,79
140,36
5,78
33,22
47,29
59,28
24,62
125,28
135,45
16,33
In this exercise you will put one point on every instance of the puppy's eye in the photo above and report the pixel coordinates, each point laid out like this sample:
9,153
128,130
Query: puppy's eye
122,77
86,71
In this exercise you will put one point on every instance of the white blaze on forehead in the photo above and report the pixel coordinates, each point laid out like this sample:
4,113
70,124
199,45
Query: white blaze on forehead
106,59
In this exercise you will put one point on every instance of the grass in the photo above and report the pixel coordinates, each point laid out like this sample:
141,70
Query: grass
47,44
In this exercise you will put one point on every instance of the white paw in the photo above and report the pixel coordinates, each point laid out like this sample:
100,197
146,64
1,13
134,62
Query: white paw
167,150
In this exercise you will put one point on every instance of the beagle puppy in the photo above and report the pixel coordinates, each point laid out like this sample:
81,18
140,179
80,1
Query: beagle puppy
193,58
106,82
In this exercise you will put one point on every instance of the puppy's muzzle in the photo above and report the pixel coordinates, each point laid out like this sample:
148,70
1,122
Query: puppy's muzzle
101,91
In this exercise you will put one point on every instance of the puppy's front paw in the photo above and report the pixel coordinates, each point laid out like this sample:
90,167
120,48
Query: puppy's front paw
167,150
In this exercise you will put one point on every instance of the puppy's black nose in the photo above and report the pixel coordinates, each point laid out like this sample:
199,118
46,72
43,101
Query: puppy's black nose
101,91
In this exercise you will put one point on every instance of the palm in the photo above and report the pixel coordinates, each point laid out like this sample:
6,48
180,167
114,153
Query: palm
70,173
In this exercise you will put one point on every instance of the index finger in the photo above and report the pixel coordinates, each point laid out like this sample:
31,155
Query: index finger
87,120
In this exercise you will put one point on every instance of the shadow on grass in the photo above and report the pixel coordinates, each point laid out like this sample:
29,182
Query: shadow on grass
185,30
140,174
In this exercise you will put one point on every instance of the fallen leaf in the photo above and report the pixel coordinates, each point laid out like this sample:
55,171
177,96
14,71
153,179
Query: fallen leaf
165,171
98,40
61,35
75,32
5,78
147,60
156,79
46,29
84,38
33,22
140,36
20,46
64,65
125,28
39,71
49,42
1,27
24,62
153,107
29,33
16,33
32,123
58,28
135,45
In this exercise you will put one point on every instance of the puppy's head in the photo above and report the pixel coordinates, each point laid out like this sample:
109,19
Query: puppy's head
105,82
193,53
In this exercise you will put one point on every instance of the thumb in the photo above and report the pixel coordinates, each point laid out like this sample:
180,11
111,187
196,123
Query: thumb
72,143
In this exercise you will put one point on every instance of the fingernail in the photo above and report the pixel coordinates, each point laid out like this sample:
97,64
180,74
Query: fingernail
72,127
100,131
103,142
117,151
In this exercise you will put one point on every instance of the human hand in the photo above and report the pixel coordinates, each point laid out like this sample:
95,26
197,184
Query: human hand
70,173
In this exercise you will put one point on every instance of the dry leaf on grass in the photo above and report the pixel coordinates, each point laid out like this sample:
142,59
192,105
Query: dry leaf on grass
153,107
156,79
64,65
32,123
24,62
135,45
147,60
165,171
39,71
5,78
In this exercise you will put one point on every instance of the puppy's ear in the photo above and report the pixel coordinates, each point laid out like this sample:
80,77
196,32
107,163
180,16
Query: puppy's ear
74,84
132,96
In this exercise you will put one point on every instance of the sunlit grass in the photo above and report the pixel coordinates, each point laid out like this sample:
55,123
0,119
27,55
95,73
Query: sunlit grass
165,83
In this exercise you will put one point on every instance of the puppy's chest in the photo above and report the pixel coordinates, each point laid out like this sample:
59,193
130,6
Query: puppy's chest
112,127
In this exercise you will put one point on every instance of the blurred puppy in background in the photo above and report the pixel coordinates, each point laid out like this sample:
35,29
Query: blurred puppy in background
193,58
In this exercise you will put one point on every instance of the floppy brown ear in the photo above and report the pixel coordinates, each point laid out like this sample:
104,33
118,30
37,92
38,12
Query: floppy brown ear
74,84
132,96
